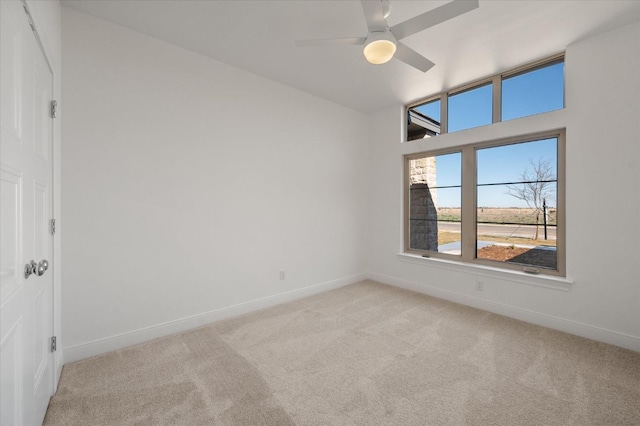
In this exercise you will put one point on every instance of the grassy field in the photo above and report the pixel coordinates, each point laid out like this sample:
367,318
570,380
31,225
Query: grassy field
499,215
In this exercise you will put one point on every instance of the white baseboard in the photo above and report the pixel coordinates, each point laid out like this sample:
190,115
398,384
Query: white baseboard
112,343
568,326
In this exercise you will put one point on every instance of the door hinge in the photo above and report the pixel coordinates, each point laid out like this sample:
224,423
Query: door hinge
52,226
54,109
54,344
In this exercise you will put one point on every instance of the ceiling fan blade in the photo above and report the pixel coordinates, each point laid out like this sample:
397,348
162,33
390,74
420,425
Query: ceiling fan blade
433,17
413,58
374,15
331,41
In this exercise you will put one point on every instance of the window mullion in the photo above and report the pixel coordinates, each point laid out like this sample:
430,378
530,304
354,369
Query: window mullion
497,98
444,113
469,209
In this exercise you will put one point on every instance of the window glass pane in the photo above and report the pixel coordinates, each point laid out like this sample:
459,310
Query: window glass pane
517,203
424,121
533,92
435,201
430,109
471,108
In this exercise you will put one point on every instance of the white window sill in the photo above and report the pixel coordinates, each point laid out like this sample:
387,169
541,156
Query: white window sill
548,281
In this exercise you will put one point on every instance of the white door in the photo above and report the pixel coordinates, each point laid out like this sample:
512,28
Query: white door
25,211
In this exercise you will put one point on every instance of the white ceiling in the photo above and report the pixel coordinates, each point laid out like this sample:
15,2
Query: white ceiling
258,36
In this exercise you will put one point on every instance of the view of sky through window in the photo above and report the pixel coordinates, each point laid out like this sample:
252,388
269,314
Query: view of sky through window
525,94
503,164
471,108
431,109
534,92
528,93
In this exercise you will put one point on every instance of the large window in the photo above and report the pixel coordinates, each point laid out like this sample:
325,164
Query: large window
492,202
504,208
530,90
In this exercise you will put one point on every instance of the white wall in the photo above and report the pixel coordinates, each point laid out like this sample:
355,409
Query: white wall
188,185
603,201
47,18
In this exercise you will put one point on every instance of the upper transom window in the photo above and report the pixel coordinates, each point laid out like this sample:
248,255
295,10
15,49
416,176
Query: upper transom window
529,90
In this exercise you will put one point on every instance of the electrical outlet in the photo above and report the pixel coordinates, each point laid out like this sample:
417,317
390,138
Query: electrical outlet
283,274
479,286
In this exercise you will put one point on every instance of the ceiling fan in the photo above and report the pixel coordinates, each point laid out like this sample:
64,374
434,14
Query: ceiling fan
381,43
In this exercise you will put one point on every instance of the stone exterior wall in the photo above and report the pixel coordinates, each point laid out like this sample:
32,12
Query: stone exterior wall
423,213
423,223
423,170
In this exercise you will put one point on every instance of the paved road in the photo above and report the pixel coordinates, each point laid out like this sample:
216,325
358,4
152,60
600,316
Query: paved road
526,231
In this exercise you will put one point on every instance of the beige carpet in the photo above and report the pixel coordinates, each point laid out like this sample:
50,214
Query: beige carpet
365,354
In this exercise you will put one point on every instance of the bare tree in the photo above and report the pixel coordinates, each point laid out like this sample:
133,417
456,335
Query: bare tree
535,186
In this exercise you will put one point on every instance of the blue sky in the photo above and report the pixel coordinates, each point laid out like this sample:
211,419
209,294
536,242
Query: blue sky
522,95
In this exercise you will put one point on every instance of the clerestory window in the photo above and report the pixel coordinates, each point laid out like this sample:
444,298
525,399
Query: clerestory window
525,91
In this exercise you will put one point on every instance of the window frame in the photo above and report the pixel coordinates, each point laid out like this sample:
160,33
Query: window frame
468,222
496,81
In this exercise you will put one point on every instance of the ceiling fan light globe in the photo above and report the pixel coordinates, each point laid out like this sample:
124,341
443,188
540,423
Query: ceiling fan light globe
379,48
